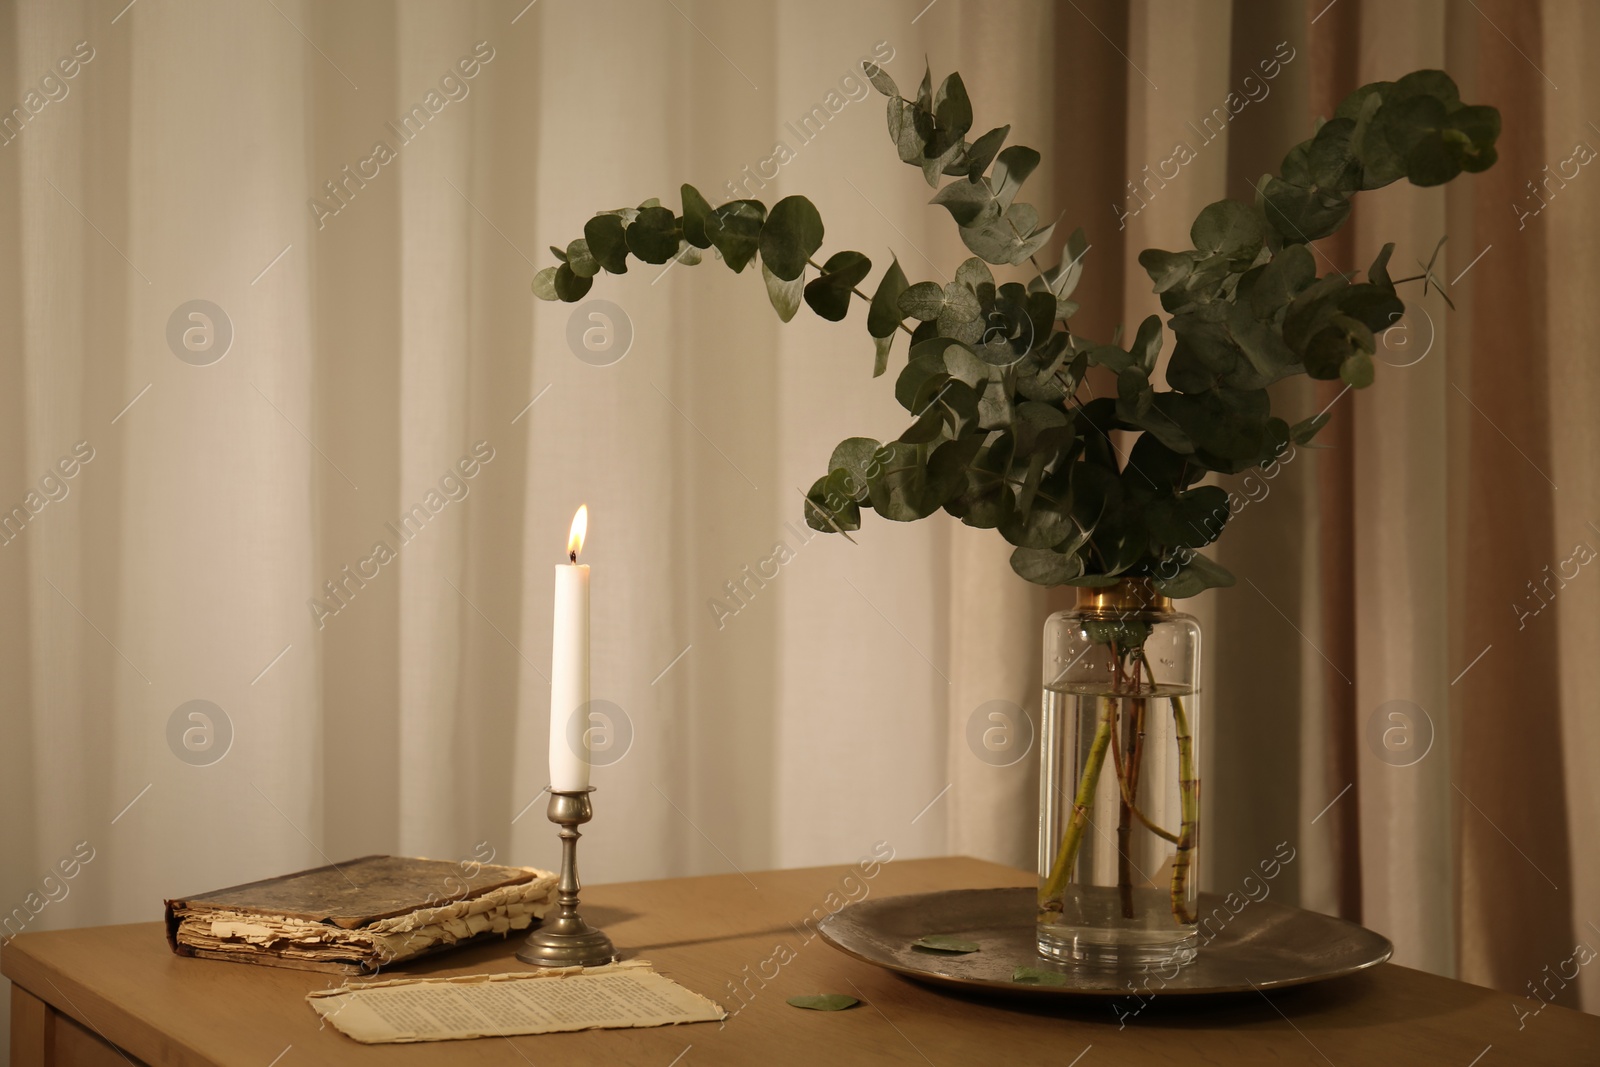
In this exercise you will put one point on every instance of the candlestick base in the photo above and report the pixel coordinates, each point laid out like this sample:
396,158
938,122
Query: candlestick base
564,939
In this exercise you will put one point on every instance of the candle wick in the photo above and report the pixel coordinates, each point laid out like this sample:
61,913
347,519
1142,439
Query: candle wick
573,556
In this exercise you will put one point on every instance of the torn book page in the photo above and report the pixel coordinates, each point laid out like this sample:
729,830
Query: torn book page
616,996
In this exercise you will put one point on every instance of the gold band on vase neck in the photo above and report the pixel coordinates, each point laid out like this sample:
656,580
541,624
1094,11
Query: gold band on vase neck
1129,594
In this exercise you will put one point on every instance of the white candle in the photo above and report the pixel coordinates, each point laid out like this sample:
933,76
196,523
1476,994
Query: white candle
569,666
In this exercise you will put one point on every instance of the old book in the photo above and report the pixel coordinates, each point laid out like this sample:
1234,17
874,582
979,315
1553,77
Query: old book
355,917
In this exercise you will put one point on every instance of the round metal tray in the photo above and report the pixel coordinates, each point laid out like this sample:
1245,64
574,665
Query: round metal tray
1265,945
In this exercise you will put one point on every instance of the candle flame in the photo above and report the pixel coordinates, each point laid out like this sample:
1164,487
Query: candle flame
580,526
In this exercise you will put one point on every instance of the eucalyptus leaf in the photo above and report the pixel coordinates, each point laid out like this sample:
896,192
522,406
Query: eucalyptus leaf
1378,273
1302,432
1070,270
1312,309
1179,582
880,80
1471,133
1147,345
880,354
928,427
982,500
1195,576
1228,228
1357,370
950,468
1011,168
1431,83
1166,269
544,284
578,257
1261,342
1040,427
976,276
915,377
829,294
960,303
859,457
969,204
696,213
922,301
1134,395
1374,306
961,362
570,287
1281,280
1011,238
785,295
952,111
1110,357
899,489
1036,524
607,242
1331,163
1300,213
791,233
959,408
734,229
945,944
1354,104
1037,976
823,1001
884,316
940,160
1191,519
983,151
903,130
654,235
829,507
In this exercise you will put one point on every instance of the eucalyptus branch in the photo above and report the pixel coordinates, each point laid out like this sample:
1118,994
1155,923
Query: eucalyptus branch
1245,302
818,267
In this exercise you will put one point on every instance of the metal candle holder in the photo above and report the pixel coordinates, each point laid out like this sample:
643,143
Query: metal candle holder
564,939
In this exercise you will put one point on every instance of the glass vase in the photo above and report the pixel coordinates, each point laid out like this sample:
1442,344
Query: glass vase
1119,788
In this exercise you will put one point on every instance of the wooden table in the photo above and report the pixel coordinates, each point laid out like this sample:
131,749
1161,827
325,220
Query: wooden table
78,993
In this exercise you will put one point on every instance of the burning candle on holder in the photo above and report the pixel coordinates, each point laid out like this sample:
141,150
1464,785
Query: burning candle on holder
563,938
569,666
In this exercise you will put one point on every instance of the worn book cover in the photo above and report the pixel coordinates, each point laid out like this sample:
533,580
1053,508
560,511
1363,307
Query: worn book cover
358,916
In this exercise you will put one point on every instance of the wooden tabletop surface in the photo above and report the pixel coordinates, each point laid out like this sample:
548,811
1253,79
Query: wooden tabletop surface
715,933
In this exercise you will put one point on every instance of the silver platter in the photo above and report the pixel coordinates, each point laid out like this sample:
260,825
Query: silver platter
1265,945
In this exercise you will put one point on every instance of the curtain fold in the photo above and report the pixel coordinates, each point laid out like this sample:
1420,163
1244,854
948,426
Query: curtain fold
1572,384
289,532
1509,788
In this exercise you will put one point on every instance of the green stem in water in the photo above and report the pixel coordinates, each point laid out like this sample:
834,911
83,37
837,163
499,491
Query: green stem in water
1090,780
1128,776
1189,797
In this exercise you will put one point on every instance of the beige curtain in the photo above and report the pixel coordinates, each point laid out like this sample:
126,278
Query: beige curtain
1386,690
781,699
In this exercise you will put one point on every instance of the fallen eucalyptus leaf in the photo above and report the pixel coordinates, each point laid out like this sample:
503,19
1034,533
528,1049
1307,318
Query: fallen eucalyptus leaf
823,1002
945,945
1037,976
